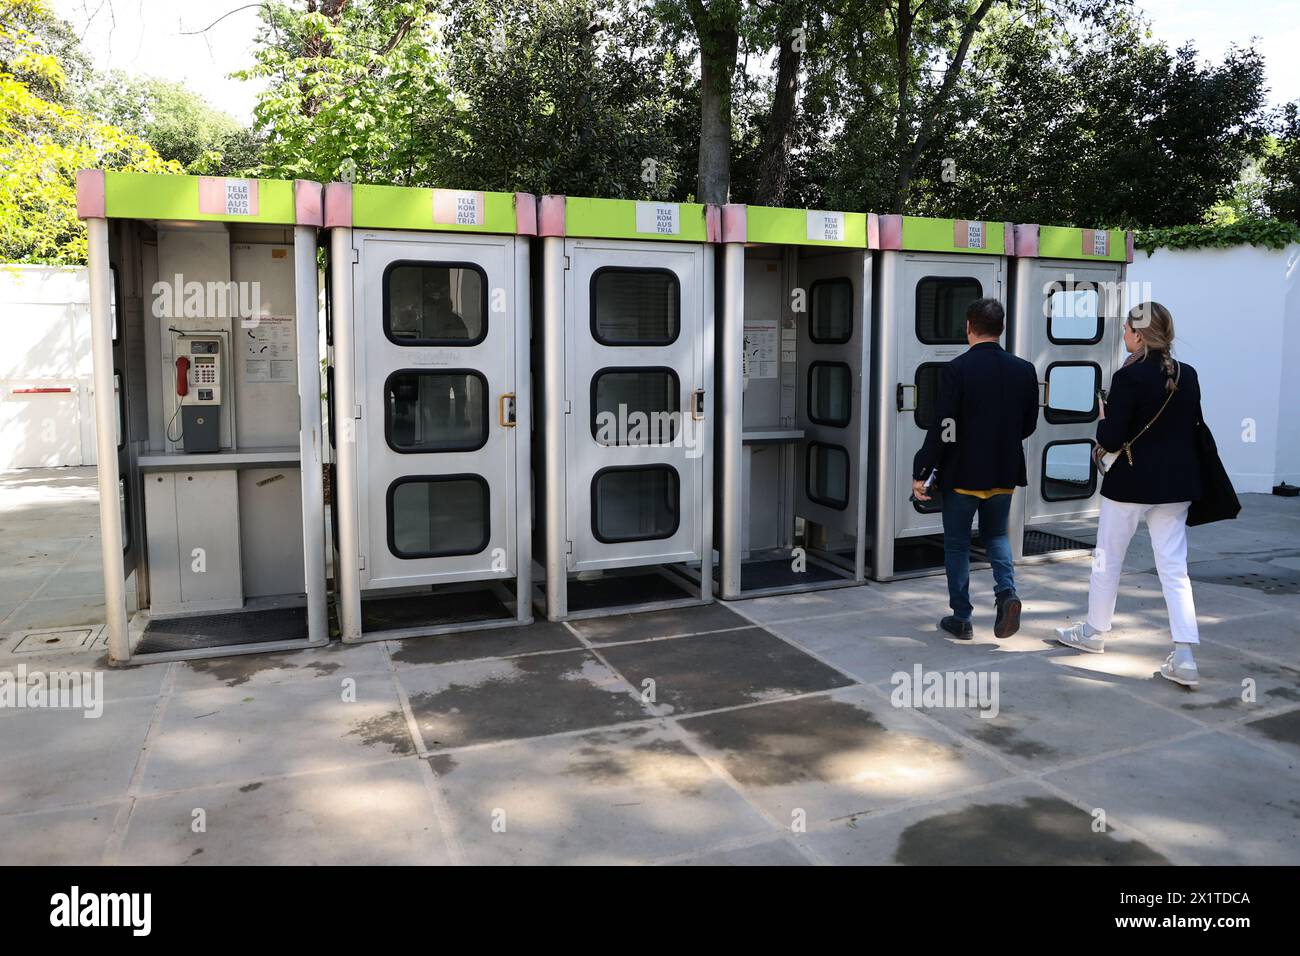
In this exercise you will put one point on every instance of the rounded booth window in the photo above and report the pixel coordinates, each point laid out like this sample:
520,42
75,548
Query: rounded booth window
435,303
635,306
1074,313
1072,389
635,503
1068,471
928,375
429,411
832,311
438,516
635,406
830,394
941,304
826,475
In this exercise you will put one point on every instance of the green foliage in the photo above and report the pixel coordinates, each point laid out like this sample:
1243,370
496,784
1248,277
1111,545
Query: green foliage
178,124
44,141
1268,233
1280,169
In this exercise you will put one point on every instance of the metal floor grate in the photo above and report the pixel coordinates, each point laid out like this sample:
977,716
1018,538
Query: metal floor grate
1044,542
432,609
224,630
615,590
777,573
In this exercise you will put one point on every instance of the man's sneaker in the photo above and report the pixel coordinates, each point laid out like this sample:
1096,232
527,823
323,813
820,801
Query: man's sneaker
958,628
1073,636
1185,674
1008,619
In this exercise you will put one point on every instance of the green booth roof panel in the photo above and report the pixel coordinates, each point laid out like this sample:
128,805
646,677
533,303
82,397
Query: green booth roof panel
197,198
1068,242
974,236
633,219
450,210
806,227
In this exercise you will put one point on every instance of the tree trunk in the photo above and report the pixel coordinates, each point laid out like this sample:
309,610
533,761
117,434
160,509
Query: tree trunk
717,28
774,171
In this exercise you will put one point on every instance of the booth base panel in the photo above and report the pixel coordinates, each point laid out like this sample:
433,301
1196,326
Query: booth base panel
230,629
1045,542
624,591
433,609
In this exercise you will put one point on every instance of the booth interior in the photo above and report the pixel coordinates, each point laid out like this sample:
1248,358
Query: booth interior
623,368
427,326
203,310
1068,299
794,346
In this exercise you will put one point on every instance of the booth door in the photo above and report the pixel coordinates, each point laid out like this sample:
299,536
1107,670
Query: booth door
635,436
435,342
935,292
832,355
1072,335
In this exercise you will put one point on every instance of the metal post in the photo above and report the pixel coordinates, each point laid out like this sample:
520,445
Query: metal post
731,421
110,511
347,574
310,437
885,367
707,476
554,404
522,435
864,430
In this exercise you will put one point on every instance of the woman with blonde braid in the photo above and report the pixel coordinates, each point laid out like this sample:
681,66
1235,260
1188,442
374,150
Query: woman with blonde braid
1149,419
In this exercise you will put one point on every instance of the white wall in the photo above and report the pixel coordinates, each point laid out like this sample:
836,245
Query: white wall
1237,320
45,344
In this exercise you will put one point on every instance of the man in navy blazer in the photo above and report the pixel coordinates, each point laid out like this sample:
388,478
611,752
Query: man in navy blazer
987,407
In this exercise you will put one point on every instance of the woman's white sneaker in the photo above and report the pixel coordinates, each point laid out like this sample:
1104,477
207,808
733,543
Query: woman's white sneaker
1074,636
1185,674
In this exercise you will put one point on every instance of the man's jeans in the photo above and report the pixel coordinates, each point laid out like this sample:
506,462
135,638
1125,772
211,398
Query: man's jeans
958,512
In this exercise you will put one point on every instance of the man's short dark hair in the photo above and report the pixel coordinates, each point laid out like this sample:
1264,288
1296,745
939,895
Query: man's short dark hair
986,317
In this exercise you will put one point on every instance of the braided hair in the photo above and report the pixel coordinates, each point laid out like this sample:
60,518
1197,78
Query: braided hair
1155,327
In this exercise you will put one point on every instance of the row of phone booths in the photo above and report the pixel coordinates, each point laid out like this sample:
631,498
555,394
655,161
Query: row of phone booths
380,412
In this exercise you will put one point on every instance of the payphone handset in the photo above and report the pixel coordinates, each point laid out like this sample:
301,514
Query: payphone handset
198,371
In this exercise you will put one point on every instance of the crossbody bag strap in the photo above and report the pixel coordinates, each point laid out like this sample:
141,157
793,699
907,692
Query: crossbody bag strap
1127,447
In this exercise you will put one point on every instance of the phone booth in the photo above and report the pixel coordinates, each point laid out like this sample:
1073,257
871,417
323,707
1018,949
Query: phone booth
429,318
203,305
625,361
794,344
1067,306
930,271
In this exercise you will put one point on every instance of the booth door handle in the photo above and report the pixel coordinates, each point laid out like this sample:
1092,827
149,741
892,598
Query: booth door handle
899,400
1047,390
697,404
506,410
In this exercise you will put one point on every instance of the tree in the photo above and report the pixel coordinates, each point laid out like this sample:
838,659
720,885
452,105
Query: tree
1280,169
44,141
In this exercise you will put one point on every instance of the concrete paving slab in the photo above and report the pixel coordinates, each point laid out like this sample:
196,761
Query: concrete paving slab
1048,715
1275,635
670,622
727,669
244,733
69,582
485,701
873,649
1211,799
1232,684
255,670
380,814
792,607
57,612
773,853
1019,824
489,642
1280,729
629,795
76,836
58,758
830,756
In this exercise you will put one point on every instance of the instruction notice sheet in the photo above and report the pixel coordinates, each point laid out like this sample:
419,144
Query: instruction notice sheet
270,347
762,348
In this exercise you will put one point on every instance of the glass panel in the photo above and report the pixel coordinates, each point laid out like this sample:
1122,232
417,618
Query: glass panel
635,306
635,504
830,394
1068,471
438,517
1072,392
927,394
435,411
125,512
828,475
941,304
832,311
1074,315
427,303
635,406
